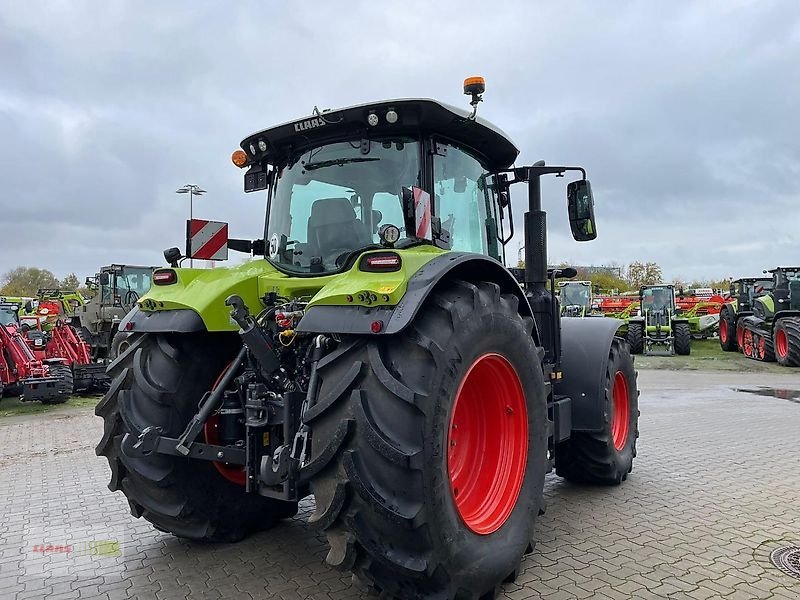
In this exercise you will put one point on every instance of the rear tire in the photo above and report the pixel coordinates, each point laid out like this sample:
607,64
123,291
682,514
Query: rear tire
635,337
388,454
64,387
682,339
606,457
727,329
787,341
159,381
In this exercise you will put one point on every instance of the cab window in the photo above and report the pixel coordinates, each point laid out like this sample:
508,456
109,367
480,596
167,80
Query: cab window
464,200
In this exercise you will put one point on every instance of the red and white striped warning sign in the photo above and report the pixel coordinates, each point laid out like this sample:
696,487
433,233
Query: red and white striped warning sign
422,212
207,239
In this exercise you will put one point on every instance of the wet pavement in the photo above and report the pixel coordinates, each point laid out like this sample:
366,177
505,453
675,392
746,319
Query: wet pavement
713,494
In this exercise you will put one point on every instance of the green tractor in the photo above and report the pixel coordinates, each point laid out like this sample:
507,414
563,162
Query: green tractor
772,331
117,288
743,292
657,323
575,298
376,355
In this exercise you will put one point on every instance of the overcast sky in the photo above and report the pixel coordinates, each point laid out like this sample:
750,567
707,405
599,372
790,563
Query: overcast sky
685,115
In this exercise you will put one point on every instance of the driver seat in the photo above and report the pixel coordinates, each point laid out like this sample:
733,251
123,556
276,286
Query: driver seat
333,226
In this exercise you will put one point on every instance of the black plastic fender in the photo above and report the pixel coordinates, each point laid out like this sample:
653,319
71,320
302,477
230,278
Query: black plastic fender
178,321
459,265
585,346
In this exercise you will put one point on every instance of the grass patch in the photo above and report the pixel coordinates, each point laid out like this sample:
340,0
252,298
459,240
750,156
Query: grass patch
707,355
12,407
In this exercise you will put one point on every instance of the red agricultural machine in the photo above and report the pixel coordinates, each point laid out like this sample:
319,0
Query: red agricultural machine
21,372
63,342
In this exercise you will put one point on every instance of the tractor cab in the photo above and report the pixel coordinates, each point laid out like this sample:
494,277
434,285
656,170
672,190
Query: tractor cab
389,174
575,298
784,293
657,303
746,289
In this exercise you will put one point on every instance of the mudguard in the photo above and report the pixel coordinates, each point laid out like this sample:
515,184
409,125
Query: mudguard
179,321
585,346
359,319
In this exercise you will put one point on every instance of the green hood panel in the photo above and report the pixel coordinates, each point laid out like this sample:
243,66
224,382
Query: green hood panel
204,290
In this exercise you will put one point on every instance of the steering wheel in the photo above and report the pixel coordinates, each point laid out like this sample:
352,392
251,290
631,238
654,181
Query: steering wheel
131,296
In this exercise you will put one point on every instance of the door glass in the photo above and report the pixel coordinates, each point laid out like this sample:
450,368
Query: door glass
461,198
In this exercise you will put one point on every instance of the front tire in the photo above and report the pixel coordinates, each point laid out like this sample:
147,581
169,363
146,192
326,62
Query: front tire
159,381
727,329
682,339
606,457
121,342
635,337
398,432
63,389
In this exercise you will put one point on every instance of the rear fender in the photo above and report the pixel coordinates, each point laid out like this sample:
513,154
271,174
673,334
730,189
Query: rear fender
784,314
178,321
451,265
585,348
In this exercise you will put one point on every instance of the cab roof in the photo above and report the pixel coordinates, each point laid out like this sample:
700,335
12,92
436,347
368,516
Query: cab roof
414,116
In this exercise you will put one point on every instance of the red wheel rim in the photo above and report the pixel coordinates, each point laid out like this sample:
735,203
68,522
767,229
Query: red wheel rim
233,473
748,343
781,343
740,335
487,444
762,348
621,421
723,331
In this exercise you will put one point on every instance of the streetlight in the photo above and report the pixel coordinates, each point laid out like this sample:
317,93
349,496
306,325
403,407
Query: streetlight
192,190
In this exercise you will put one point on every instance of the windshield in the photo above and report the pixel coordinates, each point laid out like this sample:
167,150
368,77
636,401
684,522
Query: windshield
575,295
8,315
657,298
130,284
333,199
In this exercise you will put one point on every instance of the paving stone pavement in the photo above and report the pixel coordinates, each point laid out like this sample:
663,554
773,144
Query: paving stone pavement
715,489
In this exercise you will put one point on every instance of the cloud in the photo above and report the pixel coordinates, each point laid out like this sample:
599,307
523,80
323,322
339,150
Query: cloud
684,115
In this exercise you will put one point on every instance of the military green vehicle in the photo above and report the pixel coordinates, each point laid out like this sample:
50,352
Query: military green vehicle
117,288
376,355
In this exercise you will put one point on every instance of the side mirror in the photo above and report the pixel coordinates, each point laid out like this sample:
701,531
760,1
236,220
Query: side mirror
103,279
580,206
29,306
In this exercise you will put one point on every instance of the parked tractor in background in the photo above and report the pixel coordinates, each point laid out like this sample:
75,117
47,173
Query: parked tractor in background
21,372
657,324
117,288
575,298
742,293
772,331
379,356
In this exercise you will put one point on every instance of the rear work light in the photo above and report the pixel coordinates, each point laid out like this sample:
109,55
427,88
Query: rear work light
165,277
383,262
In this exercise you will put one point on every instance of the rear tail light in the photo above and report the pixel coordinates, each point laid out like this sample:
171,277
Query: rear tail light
383,262
165,277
